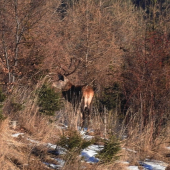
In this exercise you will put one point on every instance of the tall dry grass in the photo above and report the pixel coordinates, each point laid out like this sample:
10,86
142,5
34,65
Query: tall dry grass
28,116
38,130
11,150
37,127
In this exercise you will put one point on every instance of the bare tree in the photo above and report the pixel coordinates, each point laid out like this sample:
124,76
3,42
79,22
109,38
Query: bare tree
17,19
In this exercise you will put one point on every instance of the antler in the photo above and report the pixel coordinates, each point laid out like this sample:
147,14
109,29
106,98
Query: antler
67,72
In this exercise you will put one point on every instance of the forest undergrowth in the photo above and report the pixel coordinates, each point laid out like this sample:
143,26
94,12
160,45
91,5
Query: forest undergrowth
119,48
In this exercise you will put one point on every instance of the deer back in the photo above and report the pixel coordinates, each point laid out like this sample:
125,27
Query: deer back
73,93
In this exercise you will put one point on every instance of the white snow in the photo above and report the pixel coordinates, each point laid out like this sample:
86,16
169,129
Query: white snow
16,135
83,133
168,147
154,165
133,168
61,150
90,152
54,166
51,146
60,161
87,137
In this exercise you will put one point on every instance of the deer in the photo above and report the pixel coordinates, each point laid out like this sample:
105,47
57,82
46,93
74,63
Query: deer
76,95
80,95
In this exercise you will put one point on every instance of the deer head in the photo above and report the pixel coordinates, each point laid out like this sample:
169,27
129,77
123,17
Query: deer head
63,83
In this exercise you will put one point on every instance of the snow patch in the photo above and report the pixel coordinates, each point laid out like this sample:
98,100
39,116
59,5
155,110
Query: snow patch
133,168
16,135
60,161
60,164
90,152
168,147
51,146
154,165
52,165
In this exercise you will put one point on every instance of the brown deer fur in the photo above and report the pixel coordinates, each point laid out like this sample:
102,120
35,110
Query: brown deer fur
77,95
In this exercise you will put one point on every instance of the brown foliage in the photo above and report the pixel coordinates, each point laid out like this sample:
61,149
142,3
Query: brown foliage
146,82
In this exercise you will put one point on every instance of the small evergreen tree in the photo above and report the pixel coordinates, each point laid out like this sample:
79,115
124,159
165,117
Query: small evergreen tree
110,150
48,100
74,141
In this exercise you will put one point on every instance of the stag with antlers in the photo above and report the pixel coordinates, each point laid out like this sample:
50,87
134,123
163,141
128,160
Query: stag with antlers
76,95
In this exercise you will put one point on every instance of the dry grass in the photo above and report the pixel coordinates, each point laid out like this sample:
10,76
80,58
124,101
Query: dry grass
10,149
19,154
137,145
28,118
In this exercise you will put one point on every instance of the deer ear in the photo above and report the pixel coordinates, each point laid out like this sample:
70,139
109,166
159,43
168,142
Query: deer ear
60,77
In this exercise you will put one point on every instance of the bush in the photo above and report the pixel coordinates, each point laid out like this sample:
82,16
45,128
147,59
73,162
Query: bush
110,151
73,141
48,100
112,97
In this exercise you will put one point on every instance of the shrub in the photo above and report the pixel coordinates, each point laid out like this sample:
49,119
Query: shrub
48,100
110,150
112,97
74,142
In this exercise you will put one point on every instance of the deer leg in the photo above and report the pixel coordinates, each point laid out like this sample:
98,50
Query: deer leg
86,117
83,119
